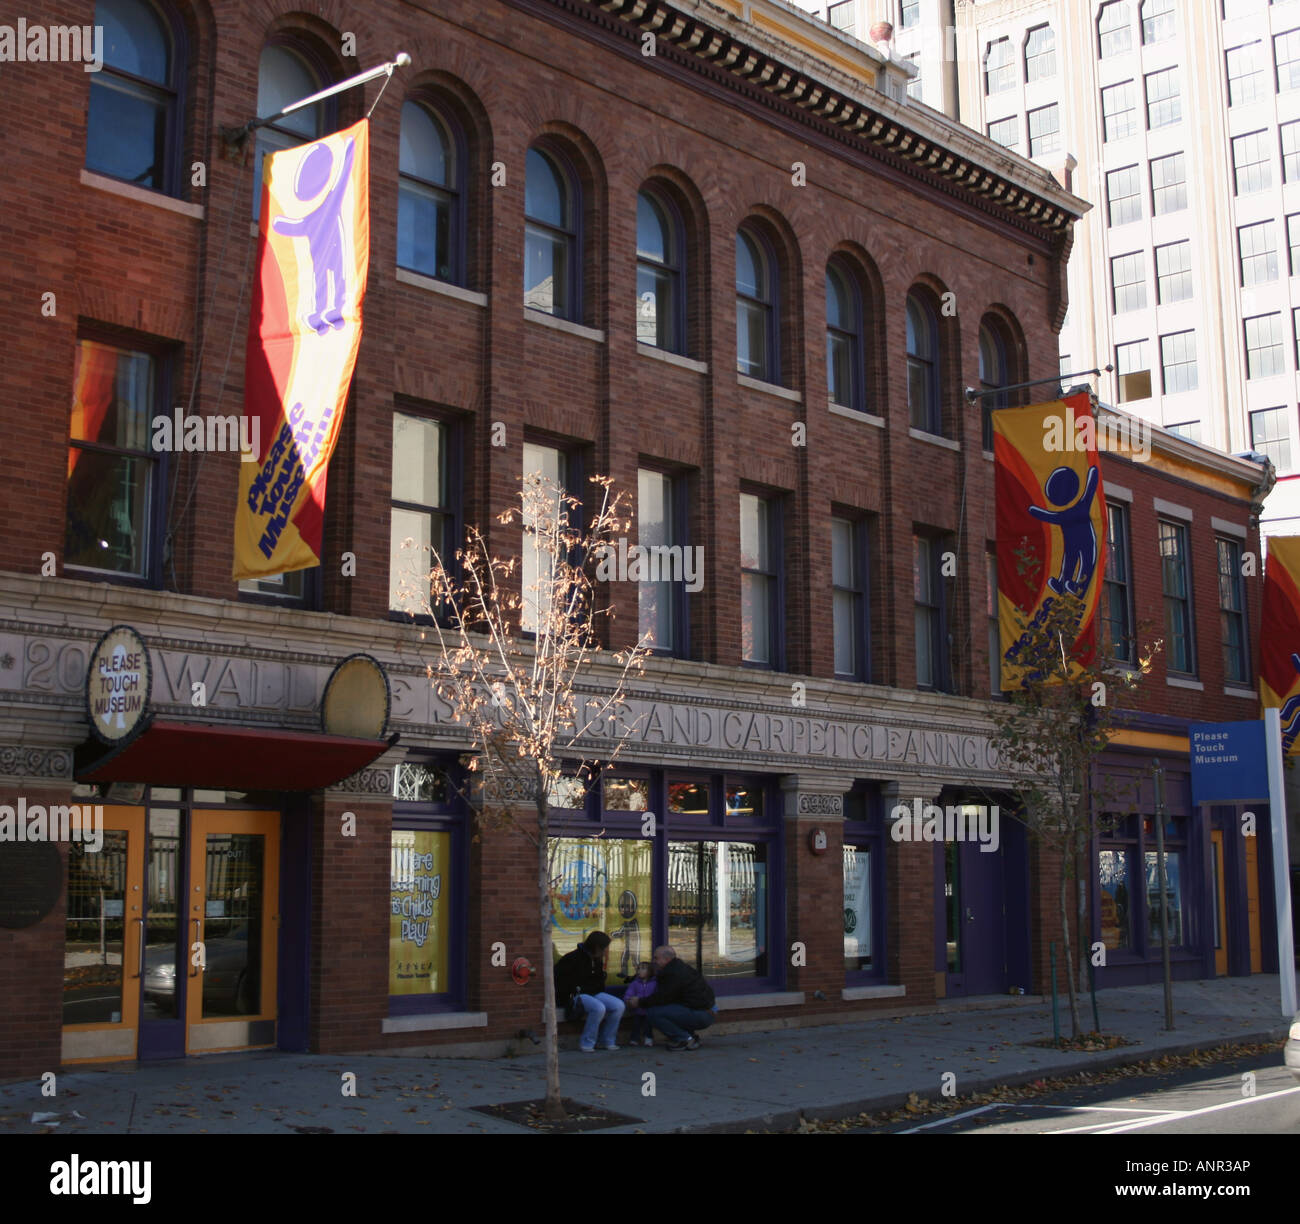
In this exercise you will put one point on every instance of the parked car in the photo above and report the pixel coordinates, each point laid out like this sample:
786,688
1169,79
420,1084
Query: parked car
1291,1051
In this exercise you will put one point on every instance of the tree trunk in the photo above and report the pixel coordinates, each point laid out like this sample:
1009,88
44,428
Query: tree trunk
1068,944
554,1108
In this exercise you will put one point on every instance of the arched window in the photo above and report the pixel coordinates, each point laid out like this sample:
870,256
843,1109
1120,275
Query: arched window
843,339
284,77
999,66
550,237
659,266
923,366
1040,54
756,345
993,375
428,202
1114,31
134,119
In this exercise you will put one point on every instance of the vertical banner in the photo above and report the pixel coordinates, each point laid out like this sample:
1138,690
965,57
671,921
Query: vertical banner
304,329
420,917
1051,524
1279,637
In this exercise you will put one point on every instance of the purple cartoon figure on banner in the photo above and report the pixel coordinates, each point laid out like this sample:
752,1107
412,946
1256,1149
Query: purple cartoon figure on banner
323,230
1078,536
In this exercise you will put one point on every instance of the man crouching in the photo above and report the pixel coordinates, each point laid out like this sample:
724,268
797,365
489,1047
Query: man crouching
682,1004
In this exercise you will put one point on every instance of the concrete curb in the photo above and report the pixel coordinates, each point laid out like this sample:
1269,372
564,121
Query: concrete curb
787,1118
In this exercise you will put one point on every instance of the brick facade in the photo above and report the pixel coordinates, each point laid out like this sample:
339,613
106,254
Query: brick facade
134,268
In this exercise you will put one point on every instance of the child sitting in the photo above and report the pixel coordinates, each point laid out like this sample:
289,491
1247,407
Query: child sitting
640,987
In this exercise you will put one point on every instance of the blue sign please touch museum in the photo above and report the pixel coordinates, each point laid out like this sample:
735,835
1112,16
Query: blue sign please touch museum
1229,762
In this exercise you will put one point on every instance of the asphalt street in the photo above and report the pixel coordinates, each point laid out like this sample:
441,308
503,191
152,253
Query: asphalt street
1247,1097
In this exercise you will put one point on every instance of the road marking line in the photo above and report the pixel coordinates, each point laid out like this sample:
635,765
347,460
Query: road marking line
1174,1115
970,1113
1100,1127
1092,1108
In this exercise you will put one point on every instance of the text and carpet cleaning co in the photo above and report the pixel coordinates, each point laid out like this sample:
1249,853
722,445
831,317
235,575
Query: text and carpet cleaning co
1051,525
303,334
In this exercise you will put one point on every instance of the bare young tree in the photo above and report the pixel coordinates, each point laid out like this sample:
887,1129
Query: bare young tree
1050,733
509,660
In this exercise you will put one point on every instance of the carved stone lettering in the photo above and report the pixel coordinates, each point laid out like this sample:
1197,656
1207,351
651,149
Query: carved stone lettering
821,805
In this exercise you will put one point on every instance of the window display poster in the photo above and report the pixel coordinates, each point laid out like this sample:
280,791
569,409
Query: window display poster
1112,872
857,904
603,884
420,916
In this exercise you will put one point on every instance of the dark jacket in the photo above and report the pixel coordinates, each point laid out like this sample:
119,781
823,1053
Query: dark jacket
577,970
678,982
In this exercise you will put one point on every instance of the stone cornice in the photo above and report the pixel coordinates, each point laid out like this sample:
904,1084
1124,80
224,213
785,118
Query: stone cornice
914,140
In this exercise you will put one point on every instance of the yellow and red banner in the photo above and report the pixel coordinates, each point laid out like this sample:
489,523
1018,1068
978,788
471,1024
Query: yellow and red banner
1279,636
1051,525
303,333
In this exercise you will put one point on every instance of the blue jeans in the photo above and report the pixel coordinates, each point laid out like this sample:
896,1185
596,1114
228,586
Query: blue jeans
604,1011
678,1022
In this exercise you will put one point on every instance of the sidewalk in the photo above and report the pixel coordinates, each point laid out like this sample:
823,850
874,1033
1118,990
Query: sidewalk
736,1080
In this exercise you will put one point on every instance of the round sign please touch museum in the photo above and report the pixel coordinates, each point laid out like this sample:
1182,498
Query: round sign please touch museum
117,685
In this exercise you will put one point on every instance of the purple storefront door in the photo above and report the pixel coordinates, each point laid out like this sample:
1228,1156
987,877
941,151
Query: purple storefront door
971,918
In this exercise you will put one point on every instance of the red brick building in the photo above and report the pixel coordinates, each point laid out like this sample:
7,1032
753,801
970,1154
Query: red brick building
724,261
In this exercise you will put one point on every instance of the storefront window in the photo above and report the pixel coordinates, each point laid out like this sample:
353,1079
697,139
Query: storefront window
603,884
569,792
420,917
420,784
1116,900
427,893
745,801
627,794
857,909
1173,898
688,798
717,907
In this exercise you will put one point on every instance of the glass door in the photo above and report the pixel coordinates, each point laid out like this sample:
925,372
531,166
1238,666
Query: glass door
232,926
103,958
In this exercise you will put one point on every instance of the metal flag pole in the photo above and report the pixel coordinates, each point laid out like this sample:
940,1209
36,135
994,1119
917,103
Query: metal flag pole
238,134
972,395
1281,860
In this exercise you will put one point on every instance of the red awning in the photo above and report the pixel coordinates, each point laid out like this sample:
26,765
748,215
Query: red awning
236,758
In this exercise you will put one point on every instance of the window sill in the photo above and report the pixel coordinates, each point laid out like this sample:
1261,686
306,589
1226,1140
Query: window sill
101,182
406,277
1240,690
775,998
756,384
921,436
853,414
431,1021
1175,682
873,992
574,329
992,458
673,359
